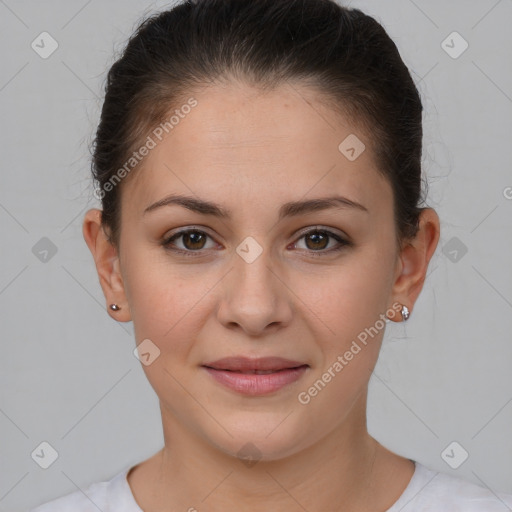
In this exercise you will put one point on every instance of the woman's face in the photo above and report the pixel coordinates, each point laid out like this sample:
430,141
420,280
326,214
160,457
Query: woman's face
259,282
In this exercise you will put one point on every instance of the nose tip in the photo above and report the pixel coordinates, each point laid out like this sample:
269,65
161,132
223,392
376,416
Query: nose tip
253,297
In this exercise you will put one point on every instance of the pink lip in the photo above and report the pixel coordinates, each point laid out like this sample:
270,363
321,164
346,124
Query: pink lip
235,373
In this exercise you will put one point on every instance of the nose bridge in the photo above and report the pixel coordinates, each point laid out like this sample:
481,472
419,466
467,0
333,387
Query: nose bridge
253,296
253,274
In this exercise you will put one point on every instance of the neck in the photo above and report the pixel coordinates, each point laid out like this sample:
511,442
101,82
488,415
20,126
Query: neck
337,472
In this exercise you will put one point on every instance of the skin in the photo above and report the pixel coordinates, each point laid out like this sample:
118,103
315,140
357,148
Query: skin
251,152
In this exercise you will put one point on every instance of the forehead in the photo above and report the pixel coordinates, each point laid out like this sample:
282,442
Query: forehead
242,142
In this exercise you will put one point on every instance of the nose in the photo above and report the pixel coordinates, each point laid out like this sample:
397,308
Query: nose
255,297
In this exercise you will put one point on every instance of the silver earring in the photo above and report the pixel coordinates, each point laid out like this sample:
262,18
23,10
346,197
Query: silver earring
114,307
405,313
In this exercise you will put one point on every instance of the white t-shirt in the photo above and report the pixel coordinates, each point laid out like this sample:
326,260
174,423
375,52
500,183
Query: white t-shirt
428,491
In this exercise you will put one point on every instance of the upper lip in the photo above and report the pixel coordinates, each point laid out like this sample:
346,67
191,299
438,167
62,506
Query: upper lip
242,364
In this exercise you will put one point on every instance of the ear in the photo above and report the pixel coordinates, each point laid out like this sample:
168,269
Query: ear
107,265
414,259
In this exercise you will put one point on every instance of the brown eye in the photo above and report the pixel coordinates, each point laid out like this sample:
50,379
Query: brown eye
192,240
318,240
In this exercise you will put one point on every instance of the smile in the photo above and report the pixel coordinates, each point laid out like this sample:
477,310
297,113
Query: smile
255,377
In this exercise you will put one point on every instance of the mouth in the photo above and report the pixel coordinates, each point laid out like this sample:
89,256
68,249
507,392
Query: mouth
255,376
258,366
253,372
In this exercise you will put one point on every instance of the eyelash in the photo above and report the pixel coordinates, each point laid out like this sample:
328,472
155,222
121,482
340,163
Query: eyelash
167,242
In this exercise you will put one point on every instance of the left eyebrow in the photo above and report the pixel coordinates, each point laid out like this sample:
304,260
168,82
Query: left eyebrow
290,209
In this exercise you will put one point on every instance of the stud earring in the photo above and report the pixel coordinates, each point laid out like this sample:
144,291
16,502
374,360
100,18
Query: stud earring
114,307
405,313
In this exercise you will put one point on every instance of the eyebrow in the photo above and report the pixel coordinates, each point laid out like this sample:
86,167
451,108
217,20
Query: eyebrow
290,209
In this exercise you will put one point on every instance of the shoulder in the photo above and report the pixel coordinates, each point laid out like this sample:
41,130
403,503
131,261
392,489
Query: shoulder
105,495
433,491
90,500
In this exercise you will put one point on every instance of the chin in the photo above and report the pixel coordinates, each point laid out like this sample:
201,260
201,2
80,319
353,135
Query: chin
260,440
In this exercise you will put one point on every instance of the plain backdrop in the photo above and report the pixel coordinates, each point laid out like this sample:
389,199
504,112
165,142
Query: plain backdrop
68,373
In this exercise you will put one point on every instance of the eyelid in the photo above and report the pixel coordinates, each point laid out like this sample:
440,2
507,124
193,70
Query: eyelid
184,229
319,227
314,227
342,239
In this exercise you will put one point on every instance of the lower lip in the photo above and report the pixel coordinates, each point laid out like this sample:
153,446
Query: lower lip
254,384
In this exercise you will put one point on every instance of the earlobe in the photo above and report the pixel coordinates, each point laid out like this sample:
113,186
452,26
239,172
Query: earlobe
107,265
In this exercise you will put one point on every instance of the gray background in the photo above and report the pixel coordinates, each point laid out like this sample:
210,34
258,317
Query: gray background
68,374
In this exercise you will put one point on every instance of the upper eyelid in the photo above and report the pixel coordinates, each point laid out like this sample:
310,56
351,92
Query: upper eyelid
318,227
301,233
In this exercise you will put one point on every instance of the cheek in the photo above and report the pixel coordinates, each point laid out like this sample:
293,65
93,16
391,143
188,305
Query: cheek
349,298
156,294
165,309
169,304
351,309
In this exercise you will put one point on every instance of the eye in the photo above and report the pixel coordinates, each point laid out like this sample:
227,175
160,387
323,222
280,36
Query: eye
317,240
193,241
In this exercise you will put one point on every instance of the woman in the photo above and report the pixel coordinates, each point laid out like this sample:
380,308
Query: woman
259,166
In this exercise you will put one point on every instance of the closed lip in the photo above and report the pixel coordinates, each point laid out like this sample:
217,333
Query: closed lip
245,364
